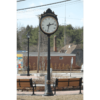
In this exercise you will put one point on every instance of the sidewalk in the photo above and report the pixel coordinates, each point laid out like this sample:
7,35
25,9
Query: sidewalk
75,92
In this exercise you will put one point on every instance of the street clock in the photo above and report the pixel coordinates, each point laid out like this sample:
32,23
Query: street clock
48,22
48,25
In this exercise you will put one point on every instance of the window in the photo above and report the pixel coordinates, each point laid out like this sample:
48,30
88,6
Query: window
60,58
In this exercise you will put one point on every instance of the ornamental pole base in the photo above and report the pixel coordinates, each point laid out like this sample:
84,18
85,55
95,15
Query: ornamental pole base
48,91
48,94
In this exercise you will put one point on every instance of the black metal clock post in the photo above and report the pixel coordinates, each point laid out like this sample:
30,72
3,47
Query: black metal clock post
48,92
48,13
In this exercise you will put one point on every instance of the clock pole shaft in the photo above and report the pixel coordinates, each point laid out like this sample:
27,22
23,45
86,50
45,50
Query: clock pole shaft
48,91
48,69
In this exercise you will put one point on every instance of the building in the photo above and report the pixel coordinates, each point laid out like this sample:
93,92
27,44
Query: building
74,49
58,61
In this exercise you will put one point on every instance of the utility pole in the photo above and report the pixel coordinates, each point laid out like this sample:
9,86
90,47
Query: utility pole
28,36
64,27
38,58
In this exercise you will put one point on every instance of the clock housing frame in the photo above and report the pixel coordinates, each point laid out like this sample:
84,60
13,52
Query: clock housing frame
48,13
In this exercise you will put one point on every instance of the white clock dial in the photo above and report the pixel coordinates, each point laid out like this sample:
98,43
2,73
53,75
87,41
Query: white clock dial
49,24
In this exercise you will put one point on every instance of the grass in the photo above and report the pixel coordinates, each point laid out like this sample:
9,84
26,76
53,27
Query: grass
57,97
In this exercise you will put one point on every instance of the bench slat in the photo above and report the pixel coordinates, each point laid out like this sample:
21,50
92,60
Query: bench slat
64,84
73,83
18,85
62,80
74,79
25,84
24,80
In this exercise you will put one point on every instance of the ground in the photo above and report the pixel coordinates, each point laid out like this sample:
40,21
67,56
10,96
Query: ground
57,97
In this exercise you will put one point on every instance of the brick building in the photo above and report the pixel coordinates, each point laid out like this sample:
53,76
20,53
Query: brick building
58,61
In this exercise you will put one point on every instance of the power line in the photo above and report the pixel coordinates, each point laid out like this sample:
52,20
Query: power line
56,6
20,0
43,5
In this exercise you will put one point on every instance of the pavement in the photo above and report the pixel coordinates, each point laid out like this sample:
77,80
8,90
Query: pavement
74,92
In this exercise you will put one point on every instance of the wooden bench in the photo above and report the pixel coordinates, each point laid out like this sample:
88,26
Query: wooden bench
24,84
67,82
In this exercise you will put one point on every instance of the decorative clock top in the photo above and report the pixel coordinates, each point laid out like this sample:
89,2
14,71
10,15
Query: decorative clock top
49,12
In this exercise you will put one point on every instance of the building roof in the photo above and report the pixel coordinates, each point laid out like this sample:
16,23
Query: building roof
69,48
45,54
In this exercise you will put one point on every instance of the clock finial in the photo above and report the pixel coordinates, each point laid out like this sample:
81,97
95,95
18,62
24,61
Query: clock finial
49,11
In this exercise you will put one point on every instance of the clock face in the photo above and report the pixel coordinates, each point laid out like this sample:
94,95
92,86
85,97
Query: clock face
49,25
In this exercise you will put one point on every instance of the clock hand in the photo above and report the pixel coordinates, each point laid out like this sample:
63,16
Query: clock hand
51,24
48,26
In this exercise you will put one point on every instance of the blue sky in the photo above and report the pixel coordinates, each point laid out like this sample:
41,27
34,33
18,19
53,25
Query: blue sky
74,12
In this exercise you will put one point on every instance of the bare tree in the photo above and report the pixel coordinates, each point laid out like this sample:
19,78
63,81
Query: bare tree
68,39
43,51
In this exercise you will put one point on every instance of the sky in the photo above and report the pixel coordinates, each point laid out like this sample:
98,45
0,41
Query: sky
73,10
